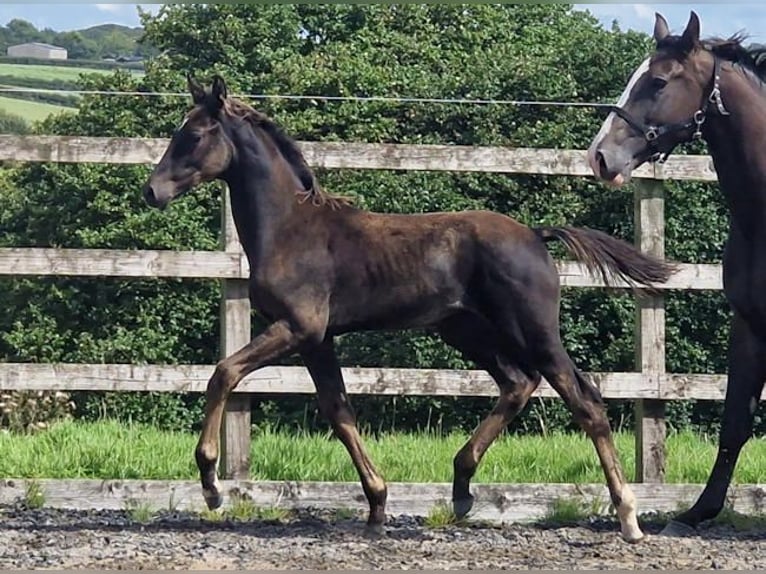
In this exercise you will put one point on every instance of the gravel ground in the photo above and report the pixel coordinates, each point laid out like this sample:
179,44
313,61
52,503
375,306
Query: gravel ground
57,539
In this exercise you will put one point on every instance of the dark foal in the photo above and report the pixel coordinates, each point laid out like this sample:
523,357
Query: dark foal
320,267
714,90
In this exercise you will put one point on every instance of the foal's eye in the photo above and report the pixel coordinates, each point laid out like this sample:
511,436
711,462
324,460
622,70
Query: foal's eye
659,83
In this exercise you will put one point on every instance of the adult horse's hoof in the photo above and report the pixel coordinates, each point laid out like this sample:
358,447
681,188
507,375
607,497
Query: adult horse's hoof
677,529
213,499
462,507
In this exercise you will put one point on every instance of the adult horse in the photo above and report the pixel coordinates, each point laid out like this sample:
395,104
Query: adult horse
711,89
320,267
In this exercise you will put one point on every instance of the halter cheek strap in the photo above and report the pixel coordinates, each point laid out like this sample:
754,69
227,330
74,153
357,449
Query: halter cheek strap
655,134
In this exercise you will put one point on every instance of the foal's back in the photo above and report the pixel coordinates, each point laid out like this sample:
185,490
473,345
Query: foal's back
392,271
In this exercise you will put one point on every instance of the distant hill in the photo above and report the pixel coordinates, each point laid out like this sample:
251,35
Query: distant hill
94,43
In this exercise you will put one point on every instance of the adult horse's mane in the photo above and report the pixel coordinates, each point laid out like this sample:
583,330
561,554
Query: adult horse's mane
288,147
731,49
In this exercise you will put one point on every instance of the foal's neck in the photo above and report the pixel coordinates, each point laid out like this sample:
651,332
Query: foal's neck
262,186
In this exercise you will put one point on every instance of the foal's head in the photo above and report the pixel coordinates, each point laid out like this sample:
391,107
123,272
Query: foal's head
199,151
663,105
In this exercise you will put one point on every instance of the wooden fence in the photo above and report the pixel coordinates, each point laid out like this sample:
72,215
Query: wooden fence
649,385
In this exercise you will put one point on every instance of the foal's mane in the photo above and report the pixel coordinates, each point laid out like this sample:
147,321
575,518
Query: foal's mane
289,149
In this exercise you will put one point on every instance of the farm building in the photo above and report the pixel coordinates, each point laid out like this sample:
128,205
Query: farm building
37,50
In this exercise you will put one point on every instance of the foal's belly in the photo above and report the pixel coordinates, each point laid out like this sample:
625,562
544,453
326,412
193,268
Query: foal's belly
394,307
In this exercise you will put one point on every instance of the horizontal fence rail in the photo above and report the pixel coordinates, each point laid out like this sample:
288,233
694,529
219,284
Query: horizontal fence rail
359,381
650,386
494,502
347,155
37,261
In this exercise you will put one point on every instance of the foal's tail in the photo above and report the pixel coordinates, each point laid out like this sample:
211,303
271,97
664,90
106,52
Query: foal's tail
610,258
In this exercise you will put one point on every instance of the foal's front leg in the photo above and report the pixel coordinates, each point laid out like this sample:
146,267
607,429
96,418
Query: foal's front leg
334,403
277,340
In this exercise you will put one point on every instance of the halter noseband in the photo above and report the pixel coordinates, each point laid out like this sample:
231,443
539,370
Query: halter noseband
653,134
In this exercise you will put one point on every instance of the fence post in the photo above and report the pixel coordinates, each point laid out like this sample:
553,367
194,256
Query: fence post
235,332
649,217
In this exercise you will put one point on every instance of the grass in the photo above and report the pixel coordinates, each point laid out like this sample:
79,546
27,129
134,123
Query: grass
243,509
139,511
29,110
34,497
111,450
440,516
569,511
51,73
740,522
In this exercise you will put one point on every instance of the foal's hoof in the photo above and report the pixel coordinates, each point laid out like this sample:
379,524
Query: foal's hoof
213,499
633,537
462,507
677,529
374,530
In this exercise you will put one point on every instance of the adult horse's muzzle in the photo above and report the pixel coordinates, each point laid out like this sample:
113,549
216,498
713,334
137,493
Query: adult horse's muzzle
610,164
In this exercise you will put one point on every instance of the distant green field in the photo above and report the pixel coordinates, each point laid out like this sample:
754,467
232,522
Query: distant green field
30,111
51,73
45,77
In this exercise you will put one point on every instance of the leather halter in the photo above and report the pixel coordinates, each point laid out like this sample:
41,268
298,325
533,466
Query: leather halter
654,134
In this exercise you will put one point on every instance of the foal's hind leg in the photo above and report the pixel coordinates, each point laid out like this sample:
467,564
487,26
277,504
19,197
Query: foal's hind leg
586,404
747,371
334,404
522,290
478,341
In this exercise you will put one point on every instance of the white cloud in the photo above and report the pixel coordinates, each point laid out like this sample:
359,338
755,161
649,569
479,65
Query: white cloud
644,11
110,7
153,8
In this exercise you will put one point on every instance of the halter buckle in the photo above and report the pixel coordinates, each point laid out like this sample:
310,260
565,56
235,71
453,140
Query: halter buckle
715,98
699,119
651,134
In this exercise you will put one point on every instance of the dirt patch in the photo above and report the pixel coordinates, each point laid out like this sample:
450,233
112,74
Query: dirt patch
65,539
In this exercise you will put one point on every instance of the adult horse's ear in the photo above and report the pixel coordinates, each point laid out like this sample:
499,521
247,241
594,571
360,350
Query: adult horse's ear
691,36
219,89
661,28
195,89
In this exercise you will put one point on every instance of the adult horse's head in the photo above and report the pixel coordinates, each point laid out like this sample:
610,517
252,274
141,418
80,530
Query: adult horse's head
663,105
199,151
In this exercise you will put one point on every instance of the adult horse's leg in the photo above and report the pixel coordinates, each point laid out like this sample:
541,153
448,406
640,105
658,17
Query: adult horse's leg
277,340
322,364
747,372
478,342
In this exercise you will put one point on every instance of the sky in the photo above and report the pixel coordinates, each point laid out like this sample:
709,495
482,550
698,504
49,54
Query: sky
718,19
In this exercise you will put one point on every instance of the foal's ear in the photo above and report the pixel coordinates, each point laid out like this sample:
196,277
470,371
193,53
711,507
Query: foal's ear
195,89
691,36
219,90
661,28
